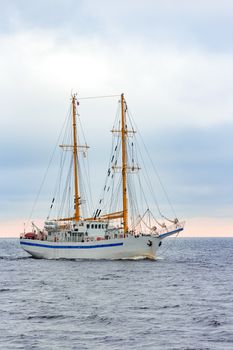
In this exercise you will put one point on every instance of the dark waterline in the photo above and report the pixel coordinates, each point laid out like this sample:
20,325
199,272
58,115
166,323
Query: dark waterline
181,301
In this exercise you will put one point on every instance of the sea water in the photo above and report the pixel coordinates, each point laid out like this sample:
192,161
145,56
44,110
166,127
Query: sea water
183,300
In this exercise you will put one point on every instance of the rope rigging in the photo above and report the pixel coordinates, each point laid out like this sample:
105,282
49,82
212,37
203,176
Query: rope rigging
64,189
135,189
47,170
153,166
111,196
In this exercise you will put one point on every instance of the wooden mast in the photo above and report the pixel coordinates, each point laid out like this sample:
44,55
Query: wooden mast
124,166
75,154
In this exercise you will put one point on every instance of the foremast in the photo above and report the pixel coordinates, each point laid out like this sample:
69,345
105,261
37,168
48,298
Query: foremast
75,147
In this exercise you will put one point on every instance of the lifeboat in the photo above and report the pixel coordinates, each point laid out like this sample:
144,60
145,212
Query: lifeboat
30,235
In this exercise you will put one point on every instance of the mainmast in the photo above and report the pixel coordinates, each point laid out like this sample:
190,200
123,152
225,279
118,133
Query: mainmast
123,214
75,154
124,165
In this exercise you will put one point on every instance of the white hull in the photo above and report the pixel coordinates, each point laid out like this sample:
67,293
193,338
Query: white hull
122,248
118,248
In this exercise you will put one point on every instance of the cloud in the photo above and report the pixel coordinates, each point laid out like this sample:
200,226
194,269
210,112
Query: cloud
192,87
185,23
195,164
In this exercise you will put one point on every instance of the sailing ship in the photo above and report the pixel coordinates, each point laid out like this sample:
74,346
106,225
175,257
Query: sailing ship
108,233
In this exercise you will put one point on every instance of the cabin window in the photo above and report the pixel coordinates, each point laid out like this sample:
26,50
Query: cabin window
96,226
99,226
92,226
88,226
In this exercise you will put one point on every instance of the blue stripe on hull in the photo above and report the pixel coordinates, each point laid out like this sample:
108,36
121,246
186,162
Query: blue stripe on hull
71,246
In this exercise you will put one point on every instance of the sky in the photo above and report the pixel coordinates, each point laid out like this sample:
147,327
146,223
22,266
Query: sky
173,59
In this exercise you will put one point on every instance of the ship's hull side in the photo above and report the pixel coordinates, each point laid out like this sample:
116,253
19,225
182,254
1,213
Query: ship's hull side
122,248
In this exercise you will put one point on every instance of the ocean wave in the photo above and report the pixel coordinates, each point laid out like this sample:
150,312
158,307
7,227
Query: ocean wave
14,258
46,317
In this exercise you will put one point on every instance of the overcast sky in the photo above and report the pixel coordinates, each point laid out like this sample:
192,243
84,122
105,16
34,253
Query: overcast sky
172,59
